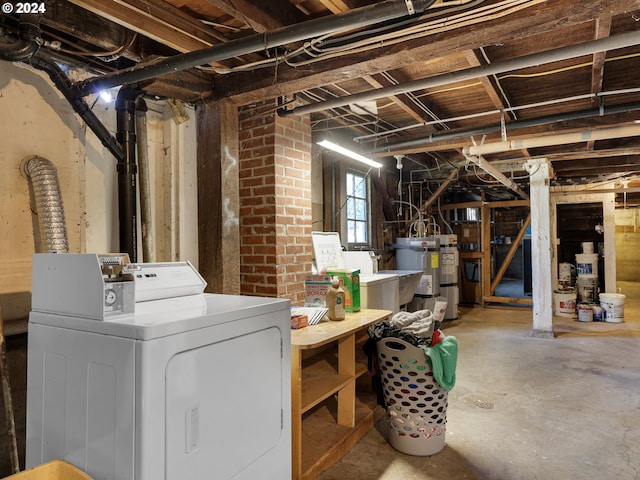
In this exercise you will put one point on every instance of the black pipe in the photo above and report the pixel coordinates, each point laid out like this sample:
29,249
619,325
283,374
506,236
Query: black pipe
359,17
534,122
65,86
28,41
127,170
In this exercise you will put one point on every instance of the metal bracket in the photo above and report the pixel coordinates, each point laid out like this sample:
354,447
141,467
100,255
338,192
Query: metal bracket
410,7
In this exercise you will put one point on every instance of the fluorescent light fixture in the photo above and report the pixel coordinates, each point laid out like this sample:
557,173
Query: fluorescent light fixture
349,153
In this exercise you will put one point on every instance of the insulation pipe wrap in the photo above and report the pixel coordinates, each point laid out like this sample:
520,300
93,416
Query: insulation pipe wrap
43,181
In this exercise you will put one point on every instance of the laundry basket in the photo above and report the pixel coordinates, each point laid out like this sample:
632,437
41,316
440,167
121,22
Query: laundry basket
416,404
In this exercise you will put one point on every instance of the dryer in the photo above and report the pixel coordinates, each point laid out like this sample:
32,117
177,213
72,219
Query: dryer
134,373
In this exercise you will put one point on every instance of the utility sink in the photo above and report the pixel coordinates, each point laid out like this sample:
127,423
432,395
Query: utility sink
408,282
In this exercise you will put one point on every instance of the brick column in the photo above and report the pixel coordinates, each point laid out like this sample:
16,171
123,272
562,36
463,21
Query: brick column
275,202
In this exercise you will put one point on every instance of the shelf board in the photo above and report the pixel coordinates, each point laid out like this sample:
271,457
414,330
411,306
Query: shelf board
324,442
320,380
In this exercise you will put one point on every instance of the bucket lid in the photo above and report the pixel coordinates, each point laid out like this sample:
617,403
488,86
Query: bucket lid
613,295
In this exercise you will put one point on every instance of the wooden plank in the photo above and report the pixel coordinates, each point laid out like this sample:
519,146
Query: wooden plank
512,251
218,229
261,16
296,412
485,247
9,417
156,19
411,111
330,442
347,395
516,300
543,18
441,189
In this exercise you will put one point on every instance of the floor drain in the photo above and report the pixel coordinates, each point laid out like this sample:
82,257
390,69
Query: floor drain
484,404
481,400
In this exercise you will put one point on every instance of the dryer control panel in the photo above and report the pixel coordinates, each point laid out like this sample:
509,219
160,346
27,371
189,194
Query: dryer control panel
91,286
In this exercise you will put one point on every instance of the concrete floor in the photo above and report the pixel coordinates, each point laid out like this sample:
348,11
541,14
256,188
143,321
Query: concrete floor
528,408
523,408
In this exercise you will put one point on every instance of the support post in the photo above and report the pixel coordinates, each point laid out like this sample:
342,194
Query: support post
538,169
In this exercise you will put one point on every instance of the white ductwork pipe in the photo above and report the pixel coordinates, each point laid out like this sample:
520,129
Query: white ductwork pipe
43,181
551,140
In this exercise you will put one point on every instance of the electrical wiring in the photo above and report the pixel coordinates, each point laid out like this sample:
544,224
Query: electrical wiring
498,112
83,53
566,69
320,48
412,33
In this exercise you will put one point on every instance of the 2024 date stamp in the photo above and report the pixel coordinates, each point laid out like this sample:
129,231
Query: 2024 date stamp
24,7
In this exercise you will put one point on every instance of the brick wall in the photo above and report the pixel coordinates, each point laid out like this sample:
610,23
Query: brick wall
275,203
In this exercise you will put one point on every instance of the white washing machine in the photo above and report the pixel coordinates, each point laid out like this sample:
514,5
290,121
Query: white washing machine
178,385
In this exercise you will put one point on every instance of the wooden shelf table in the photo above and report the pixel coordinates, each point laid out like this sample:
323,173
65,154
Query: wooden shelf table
324,372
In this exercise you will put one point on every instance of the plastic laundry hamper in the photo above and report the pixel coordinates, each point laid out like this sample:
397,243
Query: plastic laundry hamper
416,404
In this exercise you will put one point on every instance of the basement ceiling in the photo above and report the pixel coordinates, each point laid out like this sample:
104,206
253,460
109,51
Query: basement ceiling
437,90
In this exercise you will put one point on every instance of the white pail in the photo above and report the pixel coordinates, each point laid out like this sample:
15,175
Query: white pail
564,273
587,247
587,264
565,303
613,304
587,286
585,312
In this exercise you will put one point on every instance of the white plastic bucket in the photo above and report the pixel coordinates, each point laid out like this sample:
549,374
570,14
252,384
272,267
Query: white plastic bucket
587,247
587,286
564,273
587,264
585,312
613,304
565,303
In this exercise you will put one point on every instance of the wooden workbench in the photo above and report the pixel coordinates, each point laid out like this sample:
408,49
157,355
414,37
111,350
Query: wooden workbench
327,417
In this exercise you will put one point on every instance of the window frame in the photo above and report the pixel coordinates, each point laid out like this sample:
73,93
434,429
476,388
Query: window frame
367,200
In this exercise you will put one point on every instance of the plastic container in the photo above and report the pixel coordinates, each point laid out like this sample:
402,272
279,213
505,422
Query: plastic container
587,247
587,286
587,264
566,273
336,300
613,304
350,281
564,302
416,404
54,470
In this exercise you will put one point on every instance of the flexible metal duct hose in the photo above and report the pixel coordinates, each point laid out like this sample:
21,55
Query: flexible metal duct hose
43,179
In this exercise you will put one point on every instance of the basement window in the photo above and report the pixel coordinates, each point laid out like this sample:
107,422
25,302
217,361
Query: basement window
357,208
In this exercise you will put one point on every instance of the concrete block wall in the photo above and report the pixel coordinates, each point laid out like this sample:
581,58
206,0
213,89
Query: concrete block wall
275,202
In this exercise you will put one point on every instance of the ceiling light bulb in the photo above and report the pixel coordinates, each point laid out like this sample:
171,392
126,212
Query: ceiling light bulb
106,96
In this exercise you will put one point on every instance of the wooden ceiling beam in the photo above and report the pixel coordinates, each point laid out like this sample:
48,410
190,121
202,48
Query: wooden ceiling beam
371,80
492,92
155,19
539,19
603,29
335,6
261,16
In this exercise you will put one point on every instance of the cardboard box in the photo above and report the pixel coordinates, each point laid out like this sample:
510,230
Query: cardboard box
299,320
316,287
350,281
